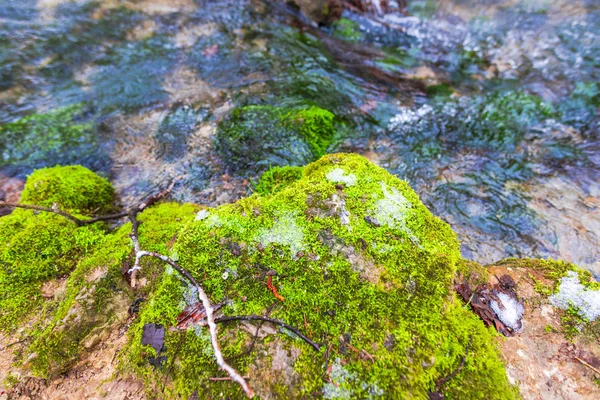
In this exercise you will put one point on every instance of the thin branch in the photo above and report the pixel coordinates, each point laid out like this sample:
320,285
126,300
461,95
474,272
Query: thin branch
54,210
210,319
314,345
226,378
584,363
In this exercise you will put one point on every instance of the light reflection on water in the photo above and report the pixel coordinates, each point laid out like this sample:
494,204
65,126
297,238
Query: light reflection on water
442,98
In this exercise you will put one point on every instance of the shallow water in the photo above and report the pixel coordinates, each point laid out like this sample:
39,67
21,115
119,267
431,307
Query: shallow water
489,109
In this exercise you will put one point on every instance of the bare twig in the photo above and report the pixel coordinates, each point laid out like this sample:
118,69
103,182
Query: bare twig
225,378
139,253
314,345
584,363
210,319
54,210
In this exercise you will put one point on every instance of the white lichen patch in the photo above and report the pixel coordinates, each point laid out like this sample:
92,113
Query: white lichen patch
393,210
338,175
214,221
571,293
509,311
285,231
340,381
202,214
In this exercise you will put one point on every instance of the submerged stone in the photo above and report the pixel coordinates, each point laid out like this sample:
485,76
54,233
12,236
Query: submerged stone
254,138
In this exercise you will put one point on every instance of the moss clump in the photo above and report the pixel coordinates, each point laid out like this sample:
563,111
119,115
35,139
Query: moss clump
73,188
96,295
61,135
276,179
472,272
365,269
37,247
347,30
256,137
442,90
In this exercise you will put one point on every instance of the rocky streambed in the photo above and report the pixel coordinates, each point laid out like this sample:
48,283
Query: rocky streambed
391,271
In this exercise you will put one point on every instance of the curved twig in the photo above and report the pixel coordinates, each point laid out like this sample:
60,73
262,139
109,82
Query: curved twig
314,345
53,210
210,319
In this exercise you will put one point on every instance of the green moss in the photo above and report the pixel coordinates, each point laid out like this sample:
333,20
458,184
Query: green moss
365,261
276,179
96,294
347,29
442,90
37,247
553,270
73,188
472,272
255,137
60,134
88,304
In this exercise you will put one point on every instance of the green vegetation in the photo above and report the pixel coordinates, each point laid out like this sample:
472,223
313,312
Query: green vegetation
255,137
347,29
276,179
365,269
37,247
572,322
61,134
442,90
72,188
553,270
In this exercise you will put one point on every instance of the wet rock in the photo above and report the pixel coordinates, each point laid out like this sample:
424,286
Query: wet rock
344,282
323,12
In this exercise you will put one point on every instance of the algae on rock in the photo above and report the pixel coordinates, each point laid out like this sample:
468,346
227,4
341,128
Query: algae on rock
361,267
254,138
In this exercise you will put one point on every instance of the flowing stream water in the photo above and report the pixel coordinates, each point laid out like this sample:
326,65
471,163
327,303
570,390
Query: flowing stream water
489,109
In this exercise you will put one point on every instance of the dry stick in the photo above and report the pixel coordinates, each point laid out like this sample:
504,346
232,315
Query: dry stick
587,365
54,210
58,211
226,378
314,345
210,319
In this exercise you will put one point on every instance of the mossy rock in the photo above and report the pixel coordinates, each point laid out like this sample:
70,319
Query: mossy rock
37,247
254,138
363,268
64,135
578,302
96,298
72,188
276,179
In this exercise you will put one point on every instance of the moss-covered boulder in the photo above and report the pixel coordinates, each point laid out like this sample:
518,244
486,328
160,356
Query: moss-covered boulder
350,256
73,188
37,247
97,298
254,138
